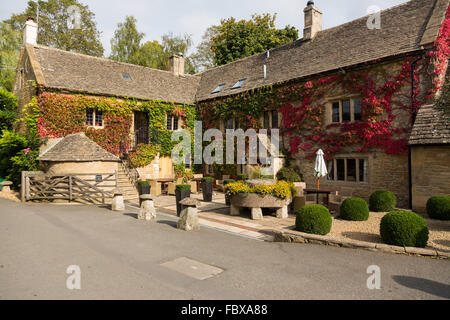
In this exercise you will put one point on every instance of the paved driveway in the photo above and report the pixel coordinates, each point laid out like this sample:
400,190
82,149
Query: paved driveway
121,258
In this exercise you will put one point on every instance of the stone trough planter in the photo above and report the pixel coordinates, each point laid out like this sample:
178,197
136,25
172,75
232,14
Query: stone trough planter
257,202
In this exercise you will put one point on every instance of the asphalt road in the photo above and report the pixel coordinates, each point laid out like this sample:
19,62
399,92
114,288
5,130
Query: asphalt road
120,257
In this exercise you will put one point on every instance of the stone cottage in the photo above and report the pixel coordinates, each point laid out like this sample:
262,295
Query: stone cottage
354,91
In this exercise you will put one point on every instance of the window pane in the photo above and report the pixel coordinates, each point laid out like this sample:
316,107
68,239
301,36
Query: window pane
357,109
335,111
89,117
340,168
169,122
266,120
175,123
362,170
98,118
275,119
230,124
351,170
331,170
346,110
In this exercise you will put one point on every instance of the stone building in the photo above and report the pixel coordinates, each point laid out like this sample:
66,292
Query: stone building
430,156
399,52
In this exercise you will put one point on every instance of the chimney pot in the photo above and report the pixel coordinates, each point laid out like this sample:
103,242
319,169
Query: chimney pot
313,21
176,62
30,32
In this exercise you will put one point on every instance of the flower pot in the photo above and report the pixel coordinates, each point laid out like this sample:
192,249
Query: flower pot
207,188
180,195
143,190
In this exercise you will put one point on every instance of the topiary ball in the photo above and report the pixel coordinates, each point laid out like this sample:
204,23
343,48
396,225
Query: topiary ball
314,219
404,228
438,207
382,201
354,209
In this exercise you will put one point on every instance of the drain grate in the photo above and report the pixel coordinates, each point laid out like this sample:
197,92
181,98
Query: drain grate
192,268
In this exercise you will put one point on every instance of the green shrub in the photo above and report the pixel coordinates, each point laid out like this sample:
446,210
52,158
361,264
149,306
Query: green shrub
404,228
144,183
183,187
382,201
242,177
267,177
25,160
10,144
289,175
8,109
227,181
144,155
354,209
314,219
207,179
438,207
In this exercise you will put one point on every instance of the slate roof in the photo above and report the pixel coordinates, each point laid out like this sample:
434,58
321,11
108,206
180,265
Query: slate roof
77,148
431,127
404,28
73,71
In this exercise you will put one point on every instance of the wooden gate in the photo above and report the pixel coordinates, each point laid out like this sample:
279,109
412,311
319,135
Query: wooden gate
93,188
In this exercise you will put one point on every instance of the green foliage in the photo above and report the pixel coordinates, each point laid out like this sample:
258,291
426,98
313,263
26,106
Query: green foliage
10,144
150,54
242,177
438,207
54,30
144,155
203,58
144,183
224,170
183,187
25,160
10,42
227,181
354,209
126,41
289,175
233,40
443,102
8,109
404,228
313,219
208,179
382,201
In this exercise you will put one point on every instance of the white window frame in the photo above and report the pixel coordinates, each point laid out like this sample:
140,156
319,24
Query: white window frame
94,118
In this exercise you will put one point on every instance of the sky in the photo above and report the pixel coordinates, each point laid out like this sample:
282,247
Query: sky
157,17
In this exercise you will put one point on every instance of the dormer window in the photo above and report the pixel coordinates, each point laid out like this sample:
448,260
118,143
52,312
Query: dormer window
219,88
238,84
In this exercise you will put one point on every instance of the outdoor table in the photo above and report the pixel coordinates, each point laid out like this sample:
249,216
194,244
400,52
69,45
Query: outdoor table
164,184
199,183
317,192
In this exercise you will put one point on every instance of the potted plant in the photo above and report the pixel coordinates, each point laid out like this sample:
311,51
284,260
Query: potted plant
143,187
181,191
225,182
207,187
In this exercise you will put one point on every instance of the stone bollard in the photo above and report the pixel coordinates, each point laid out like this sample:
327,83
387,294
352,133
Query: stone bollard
147,211
117,202
189,216
257,214
6,186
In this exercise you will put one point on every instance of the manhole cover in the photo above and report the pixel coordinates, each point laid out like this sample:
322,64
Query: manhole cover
192,268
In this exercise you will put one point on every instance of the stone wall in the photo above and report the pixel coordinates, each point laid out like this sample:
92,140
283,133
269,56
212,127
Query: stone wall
430,174
80,167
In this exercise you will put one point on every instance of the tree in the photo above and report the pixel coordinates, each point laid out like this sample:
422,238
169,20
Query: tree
10,42
150,54
58,29
203,59
233,40
126,41
8,109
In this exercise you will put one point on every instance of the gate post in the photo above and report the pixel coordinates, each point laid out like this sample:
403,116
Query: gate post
70,188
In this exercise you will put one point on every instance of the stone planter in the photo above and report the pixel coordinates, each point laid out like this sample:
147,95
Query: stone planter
256,202
207,188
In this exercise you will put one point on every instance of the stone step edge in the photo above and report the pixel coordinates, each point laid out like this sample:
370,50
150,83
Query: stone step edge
300,237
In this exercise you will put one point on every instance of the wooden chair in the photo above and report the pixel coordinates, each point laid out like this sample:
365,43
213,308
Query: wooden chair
336,200
155,188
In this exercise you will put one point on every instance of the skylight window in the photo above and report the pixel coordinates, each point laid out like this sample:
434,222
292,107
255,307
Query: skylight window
219,88
126,76
238,84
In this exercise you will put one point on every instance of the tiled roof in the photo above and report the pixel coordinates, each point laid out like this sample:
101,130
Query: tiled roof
404,28
79,72
431,127
77,148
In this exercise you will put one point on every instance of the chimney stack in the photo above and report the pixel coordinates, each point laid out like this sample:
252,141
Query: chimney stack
30,32
177,64
313,21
